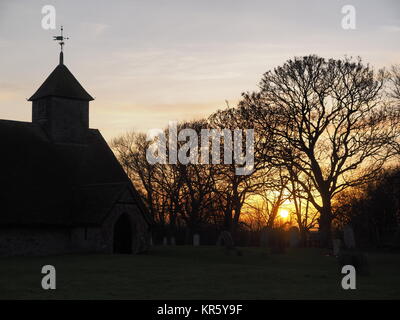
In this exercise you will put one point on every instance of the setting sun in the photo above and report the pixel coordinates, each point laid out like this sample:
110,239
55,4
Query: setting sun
283,213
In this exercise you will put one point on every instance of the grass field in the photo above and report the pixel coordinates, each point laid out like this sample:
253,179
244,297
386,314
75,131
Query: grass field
198,273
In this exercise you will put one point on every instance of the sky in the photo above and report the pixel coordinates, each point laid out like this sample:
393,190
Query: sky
151,62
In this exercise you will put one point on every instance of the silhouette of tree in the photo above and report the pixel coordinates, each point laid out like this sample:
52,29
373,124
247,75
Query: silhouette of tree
130,150
233,189
197,186
394,95
306,218
395,82
373,210
328,123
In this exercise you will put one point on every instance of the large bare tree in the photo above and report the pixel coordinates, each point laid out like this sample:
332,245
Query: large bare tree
329,123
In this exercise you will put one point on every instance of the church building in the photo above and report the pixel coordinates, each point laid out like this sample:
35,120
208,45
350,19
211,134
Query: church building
62,189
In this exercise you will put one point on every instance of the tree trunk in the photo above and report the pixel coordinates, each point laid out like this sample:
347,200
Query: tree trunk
228,218
303,236
325,223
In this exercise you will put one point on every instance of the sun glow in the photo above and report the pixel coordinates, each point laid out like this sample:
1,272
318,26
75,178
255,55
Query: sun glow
283,213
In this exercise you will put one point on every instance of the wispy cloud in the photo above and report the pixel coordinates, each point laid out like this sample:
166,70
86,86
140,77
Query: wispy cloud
147,63
390,28
95,29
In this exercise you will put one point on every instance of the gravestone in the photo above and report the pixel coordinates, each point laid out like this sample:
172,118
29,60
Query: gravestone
196,240
277,241
142,245
396,238
336,246
225,240
294,237
165,241
173,242
264,234
348,237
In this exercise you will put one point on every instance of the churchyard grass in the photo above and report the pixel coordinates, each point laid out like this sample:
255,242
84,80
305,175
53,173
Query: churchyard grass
184,272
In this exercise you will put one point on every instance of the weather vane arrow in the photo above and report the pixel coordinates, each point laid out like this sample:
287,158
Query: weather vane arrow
61,42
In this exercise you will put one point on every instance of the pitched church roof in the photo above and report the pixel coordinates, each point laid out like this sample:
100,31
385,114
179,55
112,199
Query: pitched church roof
59,184
61,83
43,183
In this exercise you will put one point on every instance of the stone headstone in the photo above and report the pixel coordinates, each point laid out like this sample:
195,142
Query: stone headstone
336,246
165,241
173,242
348,237
196,240
396,238
277,241
142,245
264,237
225,239
313,239
294,237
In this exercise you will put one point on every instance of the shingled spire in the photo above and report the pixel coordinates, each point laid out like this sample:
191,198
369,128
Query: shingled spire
61,104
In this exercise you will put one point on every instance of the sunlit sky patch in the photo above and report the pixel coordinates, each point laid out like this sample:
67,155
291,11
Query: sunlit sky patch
149,62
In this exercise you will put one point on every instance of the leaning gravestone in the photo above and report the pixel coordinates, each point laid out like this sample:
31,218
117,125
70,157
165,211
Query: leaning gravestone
348,237
196,240
225,240
294,237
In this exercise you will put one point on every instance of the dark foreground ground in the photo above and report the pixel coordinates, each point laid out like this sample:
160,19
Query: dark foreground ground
198,273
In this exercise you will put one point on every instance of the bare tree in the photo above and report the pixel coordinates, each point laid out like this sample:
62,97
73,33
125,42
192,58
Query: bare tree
130,150
328,123
394,96
395,82
233,189
306,218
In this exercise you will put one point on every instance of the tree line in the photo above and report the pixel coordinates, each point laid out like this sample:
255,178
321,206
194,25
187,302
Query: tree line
323,128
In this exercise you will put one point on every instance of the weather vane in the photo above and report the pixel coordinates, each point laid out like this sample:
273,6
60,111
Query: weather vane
60,38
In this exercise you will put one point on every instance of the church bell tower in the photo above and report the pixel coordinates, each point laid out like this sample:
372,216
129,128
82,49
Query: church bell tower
61,104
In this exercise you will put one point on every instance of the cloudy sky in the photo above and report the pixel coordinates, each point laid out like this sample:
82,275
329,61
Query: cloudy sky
149,62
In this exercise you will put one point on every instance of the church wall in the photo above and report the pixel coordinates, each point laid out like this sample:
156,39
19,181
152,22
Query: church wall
87,239
48,241
40,111
33,241
140,234
64,120
69,120
101,239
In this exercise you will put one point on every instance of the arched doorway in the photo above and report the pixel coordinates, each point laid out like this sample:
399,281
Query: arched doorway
123,234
